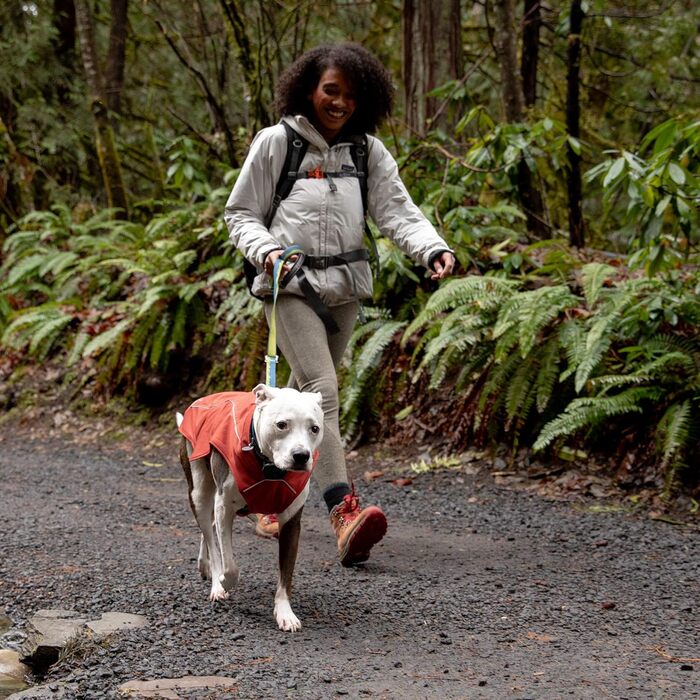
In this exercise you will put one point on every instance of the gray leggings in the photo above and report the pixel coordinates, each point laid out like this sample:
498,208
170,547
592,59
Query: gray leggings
313,356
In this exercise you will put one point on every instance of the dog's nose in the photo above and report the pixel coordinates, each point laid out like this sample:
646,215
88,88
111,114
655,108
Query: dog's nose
300,458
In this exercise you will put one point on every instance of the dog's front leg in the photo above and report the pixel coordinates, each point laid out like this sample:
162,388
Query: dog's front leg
288,546
224,513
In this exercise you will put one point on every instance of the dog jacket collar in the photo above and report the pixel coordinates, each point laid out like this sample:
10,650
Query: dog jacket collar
269,470
224,420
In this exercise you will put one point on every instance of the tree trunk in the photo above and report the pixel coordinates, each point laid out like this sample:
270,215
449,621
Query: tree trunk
532,21
432,55
505,41
63,42
252,73
106,149
573,117
114,71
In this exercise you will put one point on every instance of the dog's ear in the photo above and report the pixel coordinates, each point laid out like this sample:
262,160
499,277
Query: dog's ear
319,397
263,393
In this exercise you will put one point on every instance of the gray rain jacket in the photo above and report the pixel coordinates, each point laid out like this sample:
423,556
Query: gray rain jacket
320,220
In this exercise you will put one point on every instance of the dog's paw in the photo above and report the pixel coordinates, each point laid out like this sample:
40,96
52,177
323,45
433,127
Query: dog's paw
229,579
218,592
287,621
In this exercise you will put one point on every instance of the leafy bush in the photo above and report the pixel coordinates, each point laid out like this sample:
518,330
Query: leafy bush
657,190
561,360
128,298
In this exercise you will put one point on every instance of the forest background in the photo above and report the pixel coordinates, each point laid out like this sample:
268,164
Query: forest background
554,145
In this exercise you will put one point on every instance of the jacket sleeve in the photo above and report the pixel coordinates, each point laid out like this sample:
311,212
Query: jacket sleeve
252,195
392,209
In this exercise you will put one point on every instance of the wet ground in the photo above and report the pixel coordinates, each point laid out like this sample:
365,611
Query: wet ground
477,591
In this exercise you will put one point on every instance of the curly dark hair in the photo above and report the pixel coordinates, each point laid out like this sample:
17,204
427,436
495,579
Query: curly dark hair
370,80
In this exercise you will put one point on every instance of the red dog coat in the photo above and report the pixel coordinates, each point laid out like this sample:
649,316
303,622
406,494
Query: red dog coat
223,420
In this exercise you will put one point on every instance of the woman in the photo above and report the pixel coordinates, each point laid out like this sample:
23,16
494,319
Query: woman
329,95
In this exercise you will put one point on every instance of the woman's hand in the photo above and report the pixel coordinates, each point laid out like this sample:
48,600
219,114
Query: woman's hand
443,265
271,259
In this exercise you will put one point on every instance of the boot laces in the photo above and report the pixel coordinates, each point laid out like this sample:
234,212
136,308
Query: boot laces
349,508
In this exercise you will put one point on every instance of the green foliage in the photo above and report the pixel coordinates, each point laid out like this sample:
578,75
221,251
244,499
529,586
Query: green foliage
547,363
363,377
533,329
657,190
130,297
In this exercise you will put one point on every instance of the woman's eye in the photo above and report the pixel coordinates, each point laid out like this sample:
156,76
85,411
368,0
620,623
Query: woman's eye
281,425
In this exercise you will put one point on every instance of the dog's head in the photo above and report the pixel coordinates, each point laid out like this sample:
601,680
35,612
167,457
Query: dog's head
288,426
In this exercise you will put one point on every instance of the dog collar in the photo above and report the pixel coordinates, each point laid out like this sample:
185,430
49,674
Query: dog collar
269,470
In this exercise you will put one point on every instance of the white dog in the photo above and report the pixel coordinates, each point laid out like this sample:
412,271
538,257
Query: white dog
250,452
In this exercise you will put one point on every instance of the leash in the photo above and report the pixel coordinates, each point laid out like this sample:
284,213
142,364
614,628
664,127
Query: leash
279,282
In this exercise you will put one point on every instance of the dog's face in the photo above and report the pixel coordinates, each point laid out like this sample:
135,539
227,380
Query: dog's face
288,425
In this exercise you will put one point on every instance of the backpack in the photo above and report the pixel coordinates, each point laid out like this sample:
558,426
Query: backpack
297,146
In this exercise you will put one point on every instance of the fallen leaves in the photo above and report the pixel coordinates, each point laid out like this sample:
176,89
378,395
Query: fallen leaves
378,474
675,659
545,638
372,475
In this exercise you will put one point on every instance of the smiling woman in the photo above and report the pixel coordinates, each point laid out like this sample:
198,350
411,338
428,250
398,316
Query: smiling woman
332,98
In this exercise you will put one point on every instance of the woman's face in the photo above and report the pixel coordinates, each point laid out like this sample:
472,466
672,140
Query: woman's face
333,103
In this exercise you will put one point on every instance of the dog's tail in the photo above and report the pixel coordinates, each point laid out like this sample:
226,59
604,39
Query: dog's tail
179,418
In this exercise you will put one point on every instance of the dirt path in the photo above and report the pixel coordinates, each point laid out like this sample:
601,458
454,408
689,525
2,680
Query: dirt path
476,592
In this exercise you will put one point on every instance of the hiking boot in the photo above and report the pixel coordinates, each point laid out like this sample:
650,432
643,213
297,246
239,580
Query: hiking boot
266,526
357,530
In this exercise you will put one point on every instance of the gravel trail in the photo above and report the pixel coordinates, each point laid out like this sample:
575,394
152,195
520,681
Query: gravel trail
476,592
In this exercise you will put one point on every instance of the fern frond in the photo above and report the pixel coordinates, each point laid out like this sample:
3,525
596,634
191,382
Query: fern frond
587,412
673,428
105,340
594,276
362,370
25,268
37,328
598,341
542,306
480,294
549,362
520,393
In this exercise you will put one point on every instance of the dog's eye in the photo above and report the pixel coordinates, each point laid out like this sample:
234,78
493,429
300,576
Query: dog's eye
315,429
281,424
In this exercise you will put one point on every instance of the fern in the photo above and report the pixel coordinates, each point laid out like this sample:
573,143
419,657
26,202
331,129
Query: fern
363,369
548,373
37,329
520,394
598,341
483,294
587,412
107,339
594,276
542,307
673,430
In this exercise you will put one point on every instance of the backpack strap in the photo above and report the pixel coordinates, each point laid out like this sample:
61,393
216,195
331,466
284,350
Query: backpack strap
297,146
296,150
358,153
